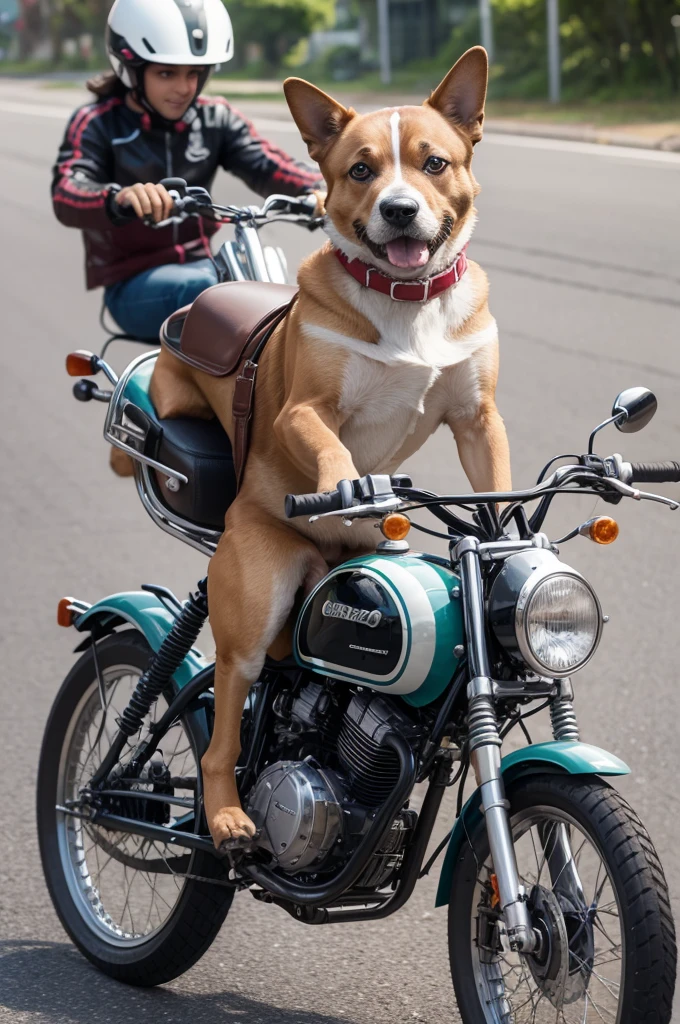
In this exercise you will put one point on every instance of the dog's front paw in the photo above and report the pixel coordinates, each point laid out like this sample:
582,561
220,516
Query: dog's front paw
231,828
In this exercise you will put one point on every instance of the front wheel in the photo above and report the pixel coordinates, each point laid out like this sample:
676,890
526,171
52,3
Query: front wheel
598,900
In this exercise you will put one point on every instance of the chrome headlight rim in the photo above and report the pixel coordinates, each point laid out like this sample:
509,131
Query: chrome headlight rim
529,587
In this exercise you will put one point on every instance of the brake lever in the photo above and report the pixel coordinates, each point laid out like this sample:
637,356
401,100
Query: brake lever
634,492
646,496
389,504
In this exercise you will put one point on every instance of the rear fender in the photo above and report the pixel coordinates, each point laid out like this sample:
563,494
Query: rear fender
147,614
569,758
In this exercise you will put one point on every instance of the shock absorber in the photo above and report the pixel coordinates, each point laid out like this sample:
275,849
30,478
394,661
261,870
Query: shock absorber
154,680
169,657
562,714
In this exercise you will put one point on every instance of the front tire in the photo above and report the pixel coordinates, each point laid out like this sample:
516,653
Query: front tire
123,900
609,954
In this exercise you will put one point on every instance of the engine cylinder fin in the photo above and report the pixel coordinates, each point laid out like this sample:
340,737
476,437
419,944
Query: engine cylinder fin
373,769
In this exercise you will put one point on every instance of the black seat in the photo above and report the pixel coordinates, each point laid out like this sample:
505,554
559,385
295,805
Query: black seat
201,450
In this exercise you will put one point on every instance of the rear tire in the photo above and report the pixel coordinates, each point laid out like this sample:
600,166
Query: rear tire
195,918
638,911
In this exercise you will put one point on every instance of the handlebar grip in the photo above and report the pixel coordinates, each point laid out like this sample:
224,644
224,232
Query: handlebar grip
312,504
656,472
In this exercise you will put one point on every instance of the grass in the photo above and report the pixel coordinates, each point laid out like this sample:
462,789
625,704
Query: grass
603,113
418,82
600,113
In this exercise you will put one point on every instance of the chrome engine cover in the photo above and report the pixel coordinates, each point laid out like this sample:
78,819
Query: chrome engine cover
298,808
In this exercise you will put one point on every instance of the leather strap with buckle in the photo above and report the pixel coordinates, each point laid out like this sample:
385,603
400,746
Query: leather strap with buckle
244,391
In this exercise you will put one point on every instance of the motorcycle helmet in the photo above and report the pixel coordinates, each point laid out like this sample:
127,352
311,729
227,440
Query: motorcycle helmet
141,32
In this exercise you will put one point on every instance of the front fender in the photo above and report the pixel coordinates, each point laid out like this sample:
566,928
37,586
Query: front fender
146,613
570,757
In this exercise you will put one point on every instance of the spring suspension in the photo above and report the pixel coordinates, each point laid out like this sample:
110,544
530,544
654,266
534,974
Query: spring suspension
167,660
563,720
482,723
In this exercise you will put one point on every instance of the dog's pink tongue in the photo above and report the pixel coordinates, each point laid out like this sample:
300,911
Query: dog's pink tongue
407,252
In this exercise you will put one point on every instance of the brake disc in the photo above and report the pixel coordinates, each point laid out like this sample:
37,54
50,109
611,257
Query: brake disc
549,965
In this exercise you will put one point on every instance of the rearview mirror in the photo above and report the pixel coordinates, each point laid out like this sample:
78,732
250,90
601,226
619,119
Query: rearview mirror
633,409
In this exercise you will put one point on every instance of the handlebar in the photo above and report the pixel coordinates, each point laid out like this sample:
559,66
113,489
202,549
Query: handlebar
191,201
656,472
373,496
373,493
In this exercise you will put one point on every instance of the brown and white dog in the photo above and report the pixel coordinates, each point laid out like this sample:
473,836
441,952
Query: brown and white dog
353,381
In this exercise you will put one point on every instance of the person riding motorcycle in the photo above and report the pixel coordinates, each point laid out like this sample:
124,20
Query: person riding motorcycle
150,122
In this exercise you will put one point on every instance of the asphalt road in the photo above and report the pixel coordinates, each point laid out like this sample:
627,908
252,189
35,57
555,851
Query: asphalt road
582,248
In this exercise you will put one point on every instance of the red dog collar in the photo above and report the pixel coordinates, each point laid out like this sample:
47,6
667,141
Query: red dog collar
404,291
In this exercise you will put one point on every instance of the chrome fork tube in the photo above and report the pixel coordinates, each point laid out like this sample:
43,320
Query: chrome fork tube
485,756
248,238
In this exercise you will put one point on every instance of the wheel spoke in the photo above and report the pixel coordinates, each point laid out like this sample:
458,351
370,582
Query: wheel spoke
522,994
130,884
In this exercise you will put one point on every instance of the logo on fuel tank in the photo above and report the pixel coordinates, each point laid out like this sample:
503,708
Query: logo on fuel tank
337,610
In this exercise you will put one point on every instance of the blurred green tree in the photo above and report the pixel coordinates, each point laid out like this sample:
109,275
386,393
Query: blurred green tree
276,25
609,48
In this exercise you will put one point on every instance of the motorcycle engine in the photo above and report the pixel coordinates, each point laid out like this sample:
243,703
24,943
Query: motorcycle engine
305,809
298,807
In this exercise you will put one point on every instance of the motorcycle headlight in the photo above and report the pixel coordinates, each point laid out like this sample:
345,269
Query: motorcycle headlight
545,613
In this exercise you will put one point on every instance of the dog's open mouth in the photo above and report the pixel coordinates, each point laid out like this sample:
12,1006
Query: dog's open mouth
405,252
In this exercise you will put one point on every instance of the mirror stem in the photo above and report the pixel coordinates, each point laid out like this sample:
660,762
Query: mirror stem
619,416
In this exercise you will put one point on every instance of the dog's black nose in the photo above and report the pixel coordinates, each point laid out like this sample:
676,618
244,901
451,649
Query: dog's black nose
398,212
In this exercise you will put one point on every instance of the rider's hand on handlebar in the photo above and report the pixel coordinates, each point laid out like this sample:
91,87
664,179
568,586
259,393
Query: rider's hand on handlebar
149,202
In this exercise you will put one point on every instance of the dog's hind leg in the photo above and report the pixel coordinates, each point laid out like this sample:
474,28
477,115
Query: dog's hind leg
252,580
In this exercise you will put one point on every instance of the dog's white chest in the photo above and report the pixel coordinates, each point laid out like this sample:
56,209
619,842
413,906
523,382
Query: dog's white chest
383,404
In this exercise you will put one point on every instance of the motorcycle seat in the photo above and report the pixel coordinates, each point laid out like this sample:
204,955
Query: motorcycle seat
223,324
201,450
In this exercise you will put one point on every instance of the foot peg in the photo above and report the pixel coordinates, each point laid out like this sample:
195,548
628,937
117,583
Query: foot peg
238,843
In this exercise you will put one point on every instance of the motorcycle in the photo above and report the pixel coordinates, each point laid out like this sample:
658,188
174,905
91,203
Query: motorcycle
407,668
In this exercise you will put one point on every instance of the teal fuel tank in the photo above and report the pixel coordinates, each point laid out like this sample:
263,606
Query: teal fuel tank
388,622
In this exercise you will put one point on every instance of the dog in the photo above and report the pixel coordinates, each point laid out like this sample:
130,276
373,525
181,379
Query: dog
390,337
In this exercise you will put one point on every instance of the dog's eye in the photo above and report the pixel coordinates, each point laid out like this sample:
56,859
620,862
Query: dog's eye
360,172
435,165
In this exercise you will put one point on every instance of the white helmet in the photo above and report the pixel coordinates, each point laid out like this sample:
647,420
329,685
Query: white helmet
140,32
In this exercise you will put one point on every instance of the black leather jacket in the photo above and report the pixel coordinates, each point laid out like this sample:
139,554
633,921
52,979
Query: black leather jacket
108,146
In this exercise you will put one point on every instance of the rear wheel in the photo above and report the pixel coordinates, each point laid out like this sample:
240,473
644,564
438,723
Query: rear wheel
598,899
128,903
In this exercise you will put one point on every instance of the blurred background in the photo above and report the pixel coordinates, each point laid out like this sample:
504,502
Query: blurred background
598,61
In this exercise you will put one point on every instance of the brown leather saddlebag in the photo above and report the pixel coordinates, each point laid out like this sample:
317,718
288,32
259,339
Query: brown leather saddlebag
224,331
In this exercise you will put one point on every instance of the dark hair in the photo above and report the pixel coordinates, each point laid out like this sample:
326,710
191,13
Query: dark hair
107,84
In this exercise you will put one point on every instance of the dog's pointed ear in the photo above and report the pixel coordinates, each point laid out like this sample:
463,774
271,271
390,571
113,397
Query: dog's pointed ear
460,97
320,118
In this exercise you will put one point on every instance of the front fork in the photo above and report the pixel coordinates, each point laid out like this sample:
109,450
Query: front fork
485,755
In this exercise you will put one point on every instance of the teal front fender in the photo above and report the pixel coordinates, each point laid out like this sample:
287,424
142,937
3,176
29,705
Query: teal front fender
572,758
146,613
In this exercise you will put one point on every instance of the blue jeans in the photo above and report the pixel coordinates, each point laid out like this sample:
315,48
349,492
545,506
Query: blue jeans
140,304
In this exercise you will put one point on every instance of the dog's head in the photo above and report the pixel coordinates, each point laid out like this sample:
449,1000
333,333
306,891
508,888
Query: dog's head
400,185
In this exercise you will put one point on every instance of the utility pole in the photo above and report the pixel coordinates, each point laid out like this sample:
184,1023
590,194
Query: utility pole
384,41
486,26
553,27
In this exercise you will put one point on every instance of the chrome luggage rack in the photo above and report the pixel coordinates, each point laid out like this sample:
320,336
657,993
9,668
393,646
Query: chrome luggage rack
123,428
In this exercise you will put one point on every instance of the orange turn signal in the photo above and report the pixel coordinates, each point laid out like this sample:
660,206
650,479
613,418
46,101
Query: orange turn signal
395,526
65,612
81,364
603,530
